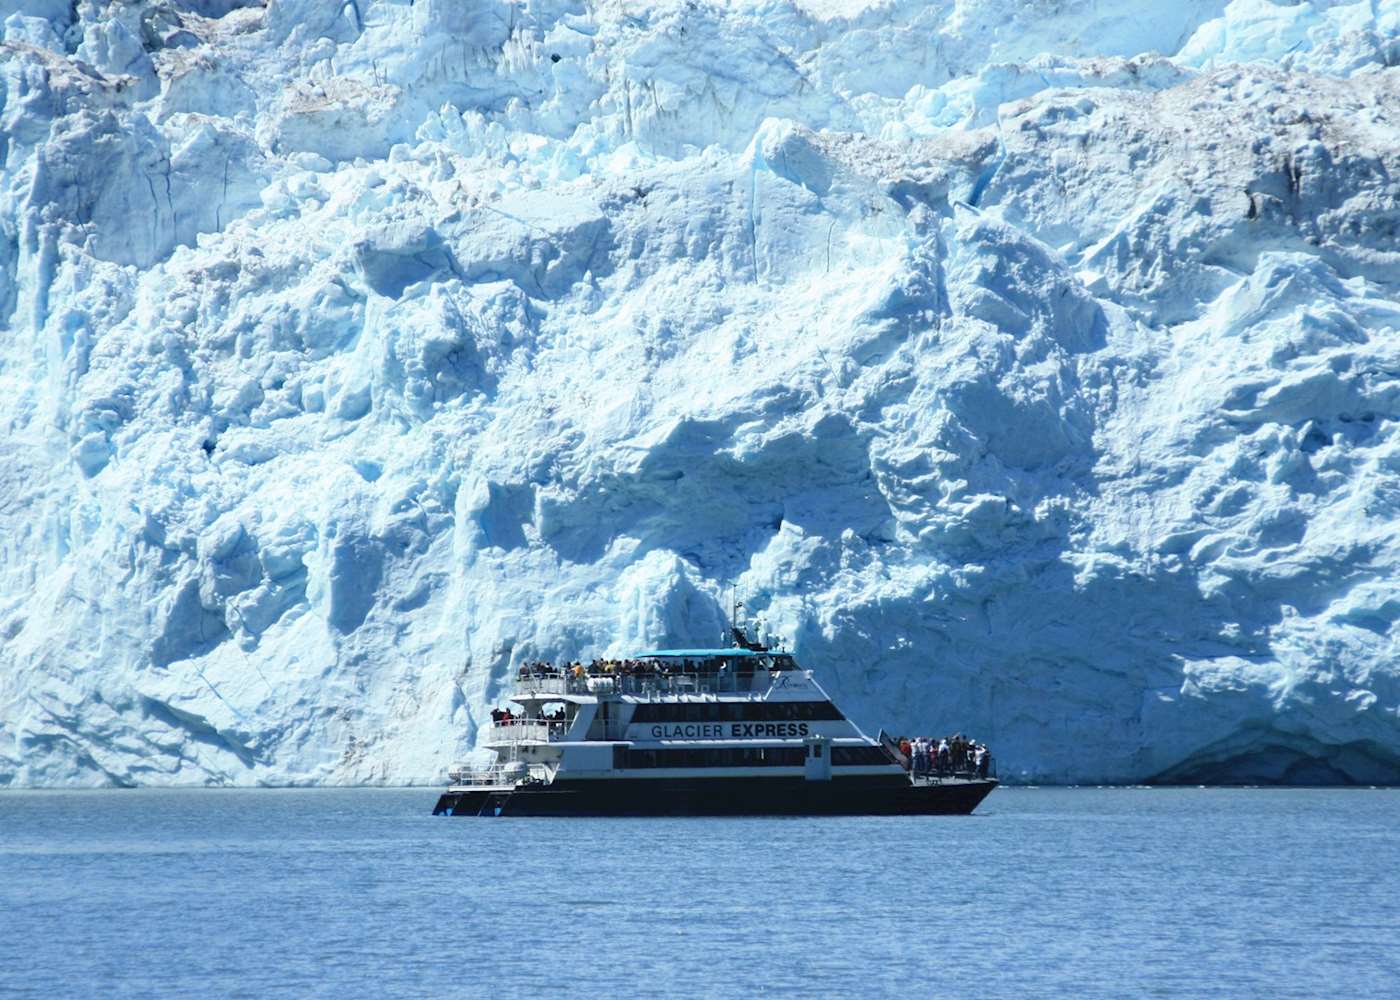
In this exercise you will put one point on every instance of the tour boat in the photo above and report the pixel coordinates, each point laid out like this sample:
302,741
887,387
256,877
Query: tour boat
689,732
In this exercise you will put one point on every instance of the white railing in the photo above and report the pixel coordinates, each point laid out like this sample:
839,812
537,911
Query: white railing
653,684
462,774
548,684
525,731
498,775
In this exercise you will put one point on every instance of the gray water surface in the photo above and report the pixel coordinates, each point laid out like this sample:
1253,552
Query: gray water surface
362,893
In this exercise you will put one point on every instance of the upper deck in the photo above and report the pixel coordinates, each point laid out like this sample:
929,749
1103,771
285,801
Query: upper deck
667,673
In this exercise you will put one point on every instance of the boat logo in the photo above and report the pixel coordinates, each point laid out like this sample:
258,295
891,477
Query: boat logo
731,730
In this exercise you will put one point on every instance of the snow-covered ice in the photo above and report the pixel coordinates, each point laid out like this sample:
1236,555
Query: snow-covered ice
1035,367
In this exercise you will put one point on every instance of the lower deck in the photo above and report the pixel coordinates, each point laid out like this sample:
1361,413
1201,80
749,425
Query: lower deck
891,795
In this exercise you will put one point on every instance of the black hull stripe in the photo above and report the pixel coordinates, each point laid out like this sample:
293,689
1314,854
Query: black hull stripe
737,797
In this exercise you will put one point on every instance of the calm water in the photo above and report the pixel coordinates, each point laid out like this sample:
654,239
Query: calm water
1045,892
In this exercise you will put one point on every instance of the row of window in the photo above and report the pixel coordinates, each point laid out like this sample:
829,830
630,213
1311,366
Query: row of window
625,757
737,711
859,755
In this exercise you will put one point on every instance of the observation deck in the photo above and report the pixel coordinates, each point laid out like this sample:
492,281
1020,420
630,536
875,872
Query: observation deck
524,731
661,674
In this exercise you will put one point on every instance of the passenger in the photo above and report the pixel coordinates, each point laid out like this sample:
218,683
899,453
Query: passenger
945,756
905,749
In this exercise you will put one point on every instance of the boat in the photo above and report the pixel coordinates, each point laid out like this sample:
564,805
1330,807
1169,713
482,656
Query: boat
742,730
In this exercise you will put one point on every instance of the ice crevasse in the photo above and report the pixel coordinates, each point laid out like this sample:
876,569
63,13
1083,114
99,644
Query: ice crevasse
1034,368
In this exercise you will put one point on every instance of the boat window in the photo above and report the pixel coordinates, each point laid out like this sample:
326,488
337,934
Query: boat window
625,757
859,755
816,751
737,711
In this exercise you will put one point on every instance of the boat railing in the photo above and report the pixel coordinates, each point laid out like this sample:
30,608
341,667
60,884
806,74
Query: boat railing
462,774
526,731
547,684
651,684
961,772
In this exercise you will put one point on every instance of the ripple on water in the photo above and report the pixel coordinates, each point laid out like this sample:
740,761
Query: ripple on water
1045,892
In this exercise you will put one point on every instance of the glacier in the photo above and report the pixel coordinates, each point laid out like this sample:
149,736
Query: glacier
1032,369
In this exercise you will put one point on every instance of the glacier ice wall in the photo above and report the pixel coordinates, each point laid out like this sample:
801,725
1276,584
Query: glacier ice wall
1034,366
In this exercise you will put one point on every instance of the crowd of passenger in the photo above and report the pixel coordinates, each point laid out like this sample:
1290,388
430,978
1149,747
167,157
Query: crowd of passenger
621,668
950,755
505,717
